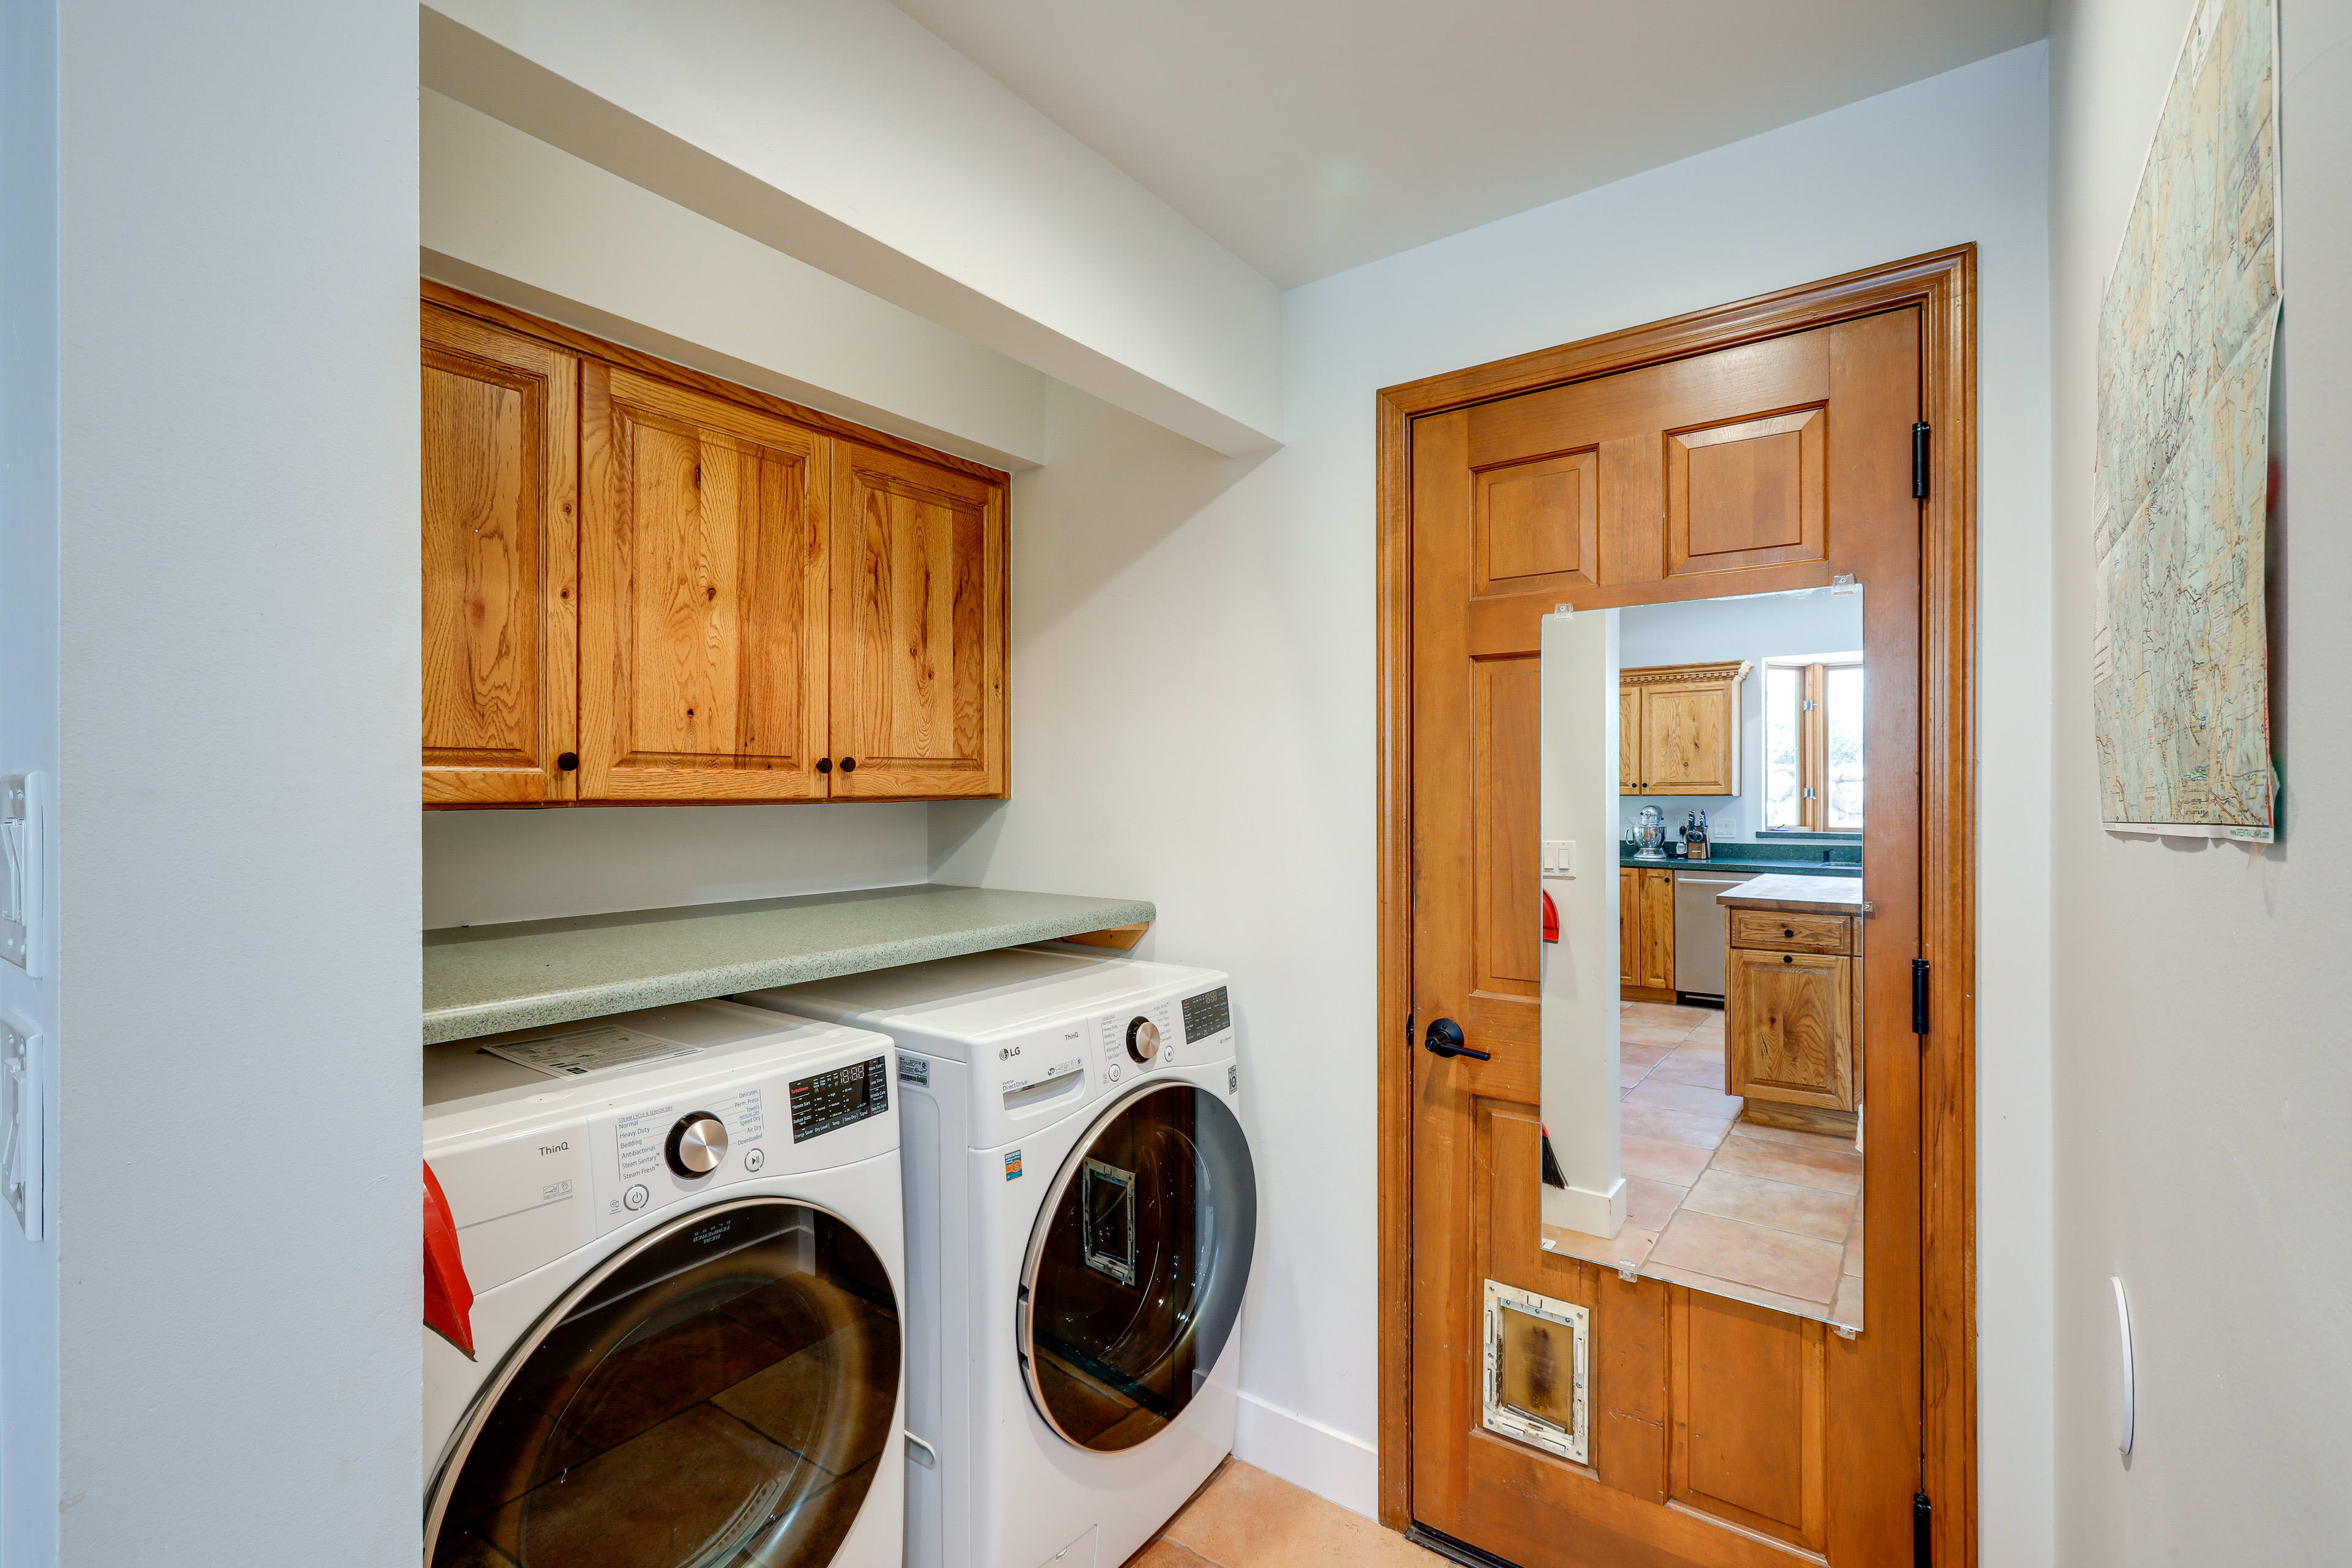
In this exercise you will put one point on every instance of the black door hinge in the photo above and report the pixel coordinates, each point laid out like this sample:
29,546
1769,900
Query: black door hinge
1923,1532
1919,995
1919,461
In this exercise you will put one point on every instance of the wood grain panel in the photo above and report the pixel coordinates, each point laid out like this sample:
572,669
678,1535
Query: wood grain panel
1629,739
1750,1418
1747,494
1537,525
1657,967
1629,926
1508,705
1631,1362
918,629
1687,742
500,485
703,641
1486,1488
1787,1021
1793,932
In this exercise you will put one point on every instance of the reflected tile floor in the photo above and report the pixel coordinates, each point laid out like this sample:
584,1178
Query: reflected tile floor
1766,1214
1244,1518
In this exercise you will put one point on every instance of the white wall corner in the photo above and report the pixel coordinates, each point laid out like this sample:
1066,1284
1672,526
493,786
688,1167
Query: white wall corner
507,216
939,190
1306,1453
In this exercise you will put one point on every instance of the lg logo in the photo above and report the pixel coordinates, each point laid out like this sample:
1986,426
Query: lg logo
1006,1053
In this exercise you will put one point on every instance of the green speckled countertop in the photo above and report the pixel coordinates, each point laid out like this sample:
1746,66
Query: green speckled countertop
479,980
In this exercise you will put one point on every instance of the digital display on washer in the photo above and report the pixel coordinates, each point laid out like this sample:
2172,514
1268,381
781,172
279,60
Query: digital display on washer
834,1100
1206,1015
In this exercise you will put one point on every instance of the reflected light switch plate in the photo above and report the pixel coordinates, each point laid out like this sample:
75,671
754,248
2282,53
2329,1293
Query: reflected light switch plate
24,1088
24,809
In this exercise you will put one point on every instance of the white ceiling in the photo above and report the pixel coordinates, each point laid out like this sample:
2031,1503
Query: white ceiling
1310,136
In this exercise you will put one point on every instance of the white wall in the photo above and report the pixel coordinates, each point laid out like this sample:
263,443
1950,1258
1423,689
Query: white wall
1194,679
607,257
2203,1091
484,866
1754,627
29,719
237,1215
936,188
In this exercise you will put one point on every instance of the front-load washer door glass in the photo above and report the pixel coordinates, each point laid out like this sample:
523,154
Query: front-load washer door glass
1134,1277
718,1393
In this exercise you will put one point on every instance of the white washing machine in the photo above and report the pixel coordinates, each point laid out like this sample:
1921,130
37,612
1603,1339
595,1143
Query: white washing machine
1081,1214
682,1228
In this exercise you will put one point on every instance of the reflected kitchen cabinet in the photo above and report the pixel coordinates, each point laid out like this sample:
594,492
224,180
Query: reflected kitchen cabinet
1792,1001
1678,729
1646,933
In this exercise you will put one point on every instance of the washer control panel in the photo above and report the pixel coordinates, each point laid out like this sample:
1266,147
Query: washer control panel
1206,1015
832,1100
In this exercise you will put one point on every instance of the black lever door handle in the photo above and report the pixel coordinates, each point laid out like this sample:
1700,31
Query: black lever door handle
1445,1040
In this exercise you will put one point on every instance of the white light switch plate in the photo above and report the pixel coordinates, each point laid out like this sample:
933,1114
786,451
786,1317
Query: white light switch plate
1560,856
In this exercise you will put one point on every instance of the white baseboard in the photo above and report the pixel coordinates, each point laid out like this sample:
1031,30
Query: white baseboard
1306,1453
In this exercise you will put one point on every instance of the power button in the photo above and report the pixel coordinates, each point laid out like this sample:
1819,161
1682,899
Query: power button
636,1198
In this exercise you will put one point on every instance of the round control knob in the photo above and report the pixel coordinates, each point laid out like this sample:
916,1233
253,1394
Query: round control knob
697,1144
1142,1039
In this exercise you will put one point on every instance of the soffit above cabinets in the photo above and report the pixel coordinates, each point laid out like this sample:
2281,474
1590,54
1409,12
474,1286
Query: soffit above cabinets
1311,136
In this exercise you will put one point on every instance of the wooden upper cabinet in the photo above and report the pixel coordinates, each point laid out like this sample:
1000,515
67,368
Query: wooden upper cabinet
919,628
643,585
704,590
1686,718
500,445
1629,739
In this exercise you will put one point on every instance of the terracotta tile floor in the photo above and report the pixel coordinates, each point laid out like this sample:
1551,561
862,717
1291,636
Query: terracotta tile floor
1763,1213
1244,1518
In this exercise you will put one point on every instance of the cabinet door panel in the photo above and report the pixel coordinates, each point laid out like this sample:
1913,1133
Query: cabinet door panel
499,438
703,639
1789,1029
1658,929
1629,927
1687,740
1629,739
919,628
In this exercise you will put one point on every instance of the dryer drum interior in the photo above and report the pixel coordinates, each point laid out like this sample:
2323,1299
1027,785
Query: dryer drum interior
1135,1274
717,1392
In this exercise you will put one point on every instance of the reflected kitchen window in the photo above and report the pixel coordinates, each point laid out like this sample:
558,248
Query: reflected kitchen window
1813,743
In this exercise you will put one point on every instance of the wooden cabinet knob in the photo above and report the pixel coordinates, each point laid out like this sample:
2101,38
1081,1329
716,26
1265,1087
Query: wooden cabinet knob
849,764
825,764
569,761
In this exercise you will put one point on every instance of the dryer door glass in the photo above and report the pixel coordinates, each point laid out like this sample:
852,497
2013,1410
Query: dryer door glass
718,1392
1135,1276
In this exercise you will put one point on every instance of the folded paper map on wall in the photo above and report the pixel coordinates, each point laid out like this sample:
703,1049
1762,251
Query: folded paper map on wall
2180,653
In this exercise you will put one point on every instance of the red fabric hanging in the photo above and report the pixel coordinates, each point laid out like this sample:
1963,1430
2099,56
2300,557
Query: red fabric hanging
1551,918
448,1296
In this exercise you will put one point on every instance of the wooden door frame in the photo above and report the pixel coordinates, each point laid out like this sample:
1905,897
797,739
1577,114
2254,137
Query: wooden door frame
1942,286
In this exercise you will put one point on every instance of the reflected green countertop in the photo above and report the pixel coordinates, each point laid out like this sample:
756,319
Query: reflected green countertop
1734,854
479,980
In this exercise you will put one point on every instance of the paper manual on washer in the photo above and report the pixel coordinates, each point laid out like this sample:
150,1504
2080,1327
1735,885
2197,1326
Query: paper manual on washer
578,1051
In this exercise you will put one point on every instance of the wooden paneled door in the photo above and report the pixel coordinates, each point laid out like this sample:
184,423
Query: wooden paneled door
918,618
500,440
705,571
1764,447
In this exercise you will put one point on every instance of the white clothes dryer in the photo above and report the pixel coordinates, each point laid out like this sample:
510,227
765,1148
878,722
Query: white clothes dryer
1082,1216
682,1228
